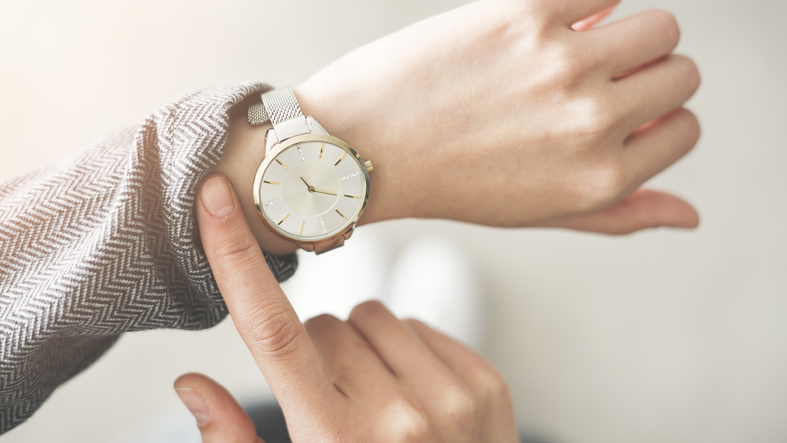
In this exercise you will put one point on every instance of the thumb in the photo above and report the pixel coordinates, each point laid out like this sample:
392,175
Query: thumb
219,416
641,210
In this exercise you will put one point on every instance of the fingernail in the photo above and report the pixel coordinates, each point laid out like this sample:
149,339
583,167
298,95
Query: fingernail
217,198
194,402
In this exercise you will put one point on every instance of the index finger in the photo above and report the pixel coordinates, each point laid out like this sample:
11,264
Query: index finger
261,312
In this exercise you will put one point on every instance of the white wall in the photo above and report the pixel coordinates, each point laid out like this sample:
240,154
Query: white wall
659,336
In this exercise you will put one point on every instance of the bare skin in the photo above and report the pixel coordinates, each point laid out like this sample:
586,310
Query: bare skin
506,113
502,112
371,379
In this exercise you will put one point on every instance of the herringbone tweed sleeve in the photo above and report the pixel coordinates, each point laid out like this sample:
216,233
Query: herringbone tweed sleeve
105,242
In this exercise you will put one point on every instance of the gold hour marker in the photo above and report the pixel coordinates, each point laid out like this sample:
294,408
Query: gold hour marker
340,159
302,224
270,183
282,164
351,196
285,218
337,211
321,148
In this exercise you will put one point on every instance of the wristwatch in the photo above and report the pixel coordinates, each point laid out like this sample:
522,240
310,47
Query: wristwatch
311,188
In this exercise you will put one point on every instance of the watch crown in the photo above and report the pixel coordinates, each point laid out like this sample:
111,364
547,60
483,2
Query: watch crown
369,167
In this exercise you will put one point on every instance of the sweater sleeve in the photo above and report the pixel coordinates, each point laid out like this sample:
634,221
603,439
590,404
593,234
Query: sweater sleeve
105,242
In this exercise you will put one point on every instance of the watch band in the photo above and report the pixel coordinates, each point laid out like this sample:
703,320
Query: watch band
281,108
281,105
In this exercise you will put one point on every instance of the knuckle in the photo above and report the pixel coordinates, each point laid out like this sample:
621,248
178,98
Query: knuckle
566,66
604,185
235,250
457,405
509,27
406,423
492,384
368,309
415,323
320,322
665,25
595,117
274,330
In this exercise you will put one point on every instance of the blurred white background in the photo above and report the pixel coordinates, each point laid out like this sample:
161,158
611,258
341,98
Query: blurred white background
662,336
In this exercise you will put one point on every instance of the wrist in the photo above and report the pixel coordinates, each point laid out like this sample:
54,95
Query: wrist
341,115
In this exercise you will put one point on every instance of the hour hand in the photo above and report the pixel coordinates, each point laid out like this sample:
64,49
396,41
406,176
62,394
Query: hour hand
308,186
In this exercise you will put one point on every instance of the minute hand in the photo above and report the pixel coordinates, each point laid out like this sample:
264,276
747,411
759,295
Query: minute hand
323,192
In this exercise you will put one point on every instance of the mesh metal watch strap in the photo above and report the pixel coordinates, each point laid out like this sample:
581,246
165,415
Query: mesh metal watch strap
281,105
277,106
281,108
257,114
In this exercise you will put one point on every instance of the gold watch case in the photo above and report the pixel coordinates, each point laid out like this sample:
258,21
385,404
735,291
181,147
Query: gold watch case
318,244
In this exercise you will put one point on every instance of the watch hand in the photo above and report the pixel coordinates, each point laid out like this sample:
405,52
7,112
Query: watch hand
323,192
310,187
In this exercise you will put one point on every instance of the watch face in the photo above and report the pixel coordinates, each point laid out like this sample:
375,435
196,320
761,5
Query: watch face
311,190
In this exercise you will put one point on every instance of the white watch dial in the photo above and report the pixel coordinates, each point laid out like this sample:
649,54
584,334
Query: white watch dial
312,190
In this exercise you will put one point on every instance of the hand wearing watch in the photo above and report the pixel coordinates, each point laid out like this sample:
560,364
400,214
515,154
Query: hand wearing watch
311,188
